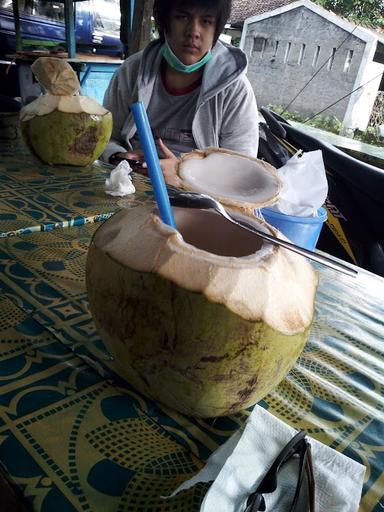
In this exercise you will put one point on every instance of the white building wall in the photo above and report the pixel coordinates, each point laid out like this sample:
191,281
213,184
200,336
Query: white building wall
285,50
362,101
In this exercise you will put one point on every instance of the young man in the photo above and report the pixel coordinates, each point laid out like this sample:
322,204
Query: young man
193,87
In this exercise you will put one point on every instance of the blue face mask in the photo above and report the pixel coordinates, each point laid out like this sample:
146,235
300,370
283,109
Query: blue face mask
176,64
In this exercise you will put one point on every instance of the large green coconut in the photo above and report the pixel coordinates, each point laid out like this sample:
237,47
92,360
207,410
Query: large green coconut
207,319
62,127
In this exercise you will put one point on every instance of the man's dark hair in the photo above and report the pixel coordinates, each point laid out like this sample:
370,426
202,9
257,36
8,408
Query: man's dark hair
221,9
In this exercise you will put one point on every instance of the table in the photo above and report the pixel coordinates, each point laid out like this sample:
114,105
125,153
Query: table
73,436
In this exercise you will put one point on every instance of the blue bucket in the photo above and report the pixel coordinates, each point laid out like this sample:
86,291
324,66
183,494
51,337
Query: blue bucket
302,231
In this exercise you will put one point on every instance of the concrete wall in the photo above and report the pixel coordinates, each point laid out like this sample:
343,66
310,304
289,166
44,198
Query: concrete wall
362,101
284,51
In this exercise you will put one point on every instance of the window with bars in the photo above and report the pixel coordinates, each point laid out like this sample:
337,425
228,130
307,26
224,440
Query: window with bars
348,60
315,60
277,43
258,46
287,52
301,55
331,59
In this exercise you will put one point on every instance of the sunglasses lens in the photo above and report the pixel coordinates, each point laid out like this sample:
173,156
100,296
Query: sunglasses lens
298,447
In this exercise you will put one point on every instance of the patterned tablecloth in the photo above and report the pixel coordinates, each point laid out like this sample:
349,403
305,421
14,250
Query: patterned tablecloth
74,437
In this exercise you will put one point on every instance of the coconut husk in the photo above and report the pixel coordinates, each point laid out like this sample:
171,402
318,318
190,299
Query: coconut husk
56,75
207,320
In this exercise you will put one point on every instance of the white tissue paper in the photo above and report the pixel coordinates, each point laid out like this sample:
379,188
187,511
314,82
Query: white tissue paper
239,465
120,183
305,185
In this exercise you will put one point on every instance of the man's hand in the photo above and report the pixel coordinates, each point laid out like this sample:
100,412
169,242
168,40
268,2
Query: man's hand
168,165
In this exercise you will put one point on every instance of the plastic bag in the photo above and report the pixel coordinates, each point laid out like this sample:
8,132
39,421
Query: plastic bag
305,185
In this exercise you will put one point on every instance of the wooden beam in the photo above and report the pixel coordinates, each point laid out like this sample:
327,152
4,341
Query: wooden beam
141,29
16,17
126,17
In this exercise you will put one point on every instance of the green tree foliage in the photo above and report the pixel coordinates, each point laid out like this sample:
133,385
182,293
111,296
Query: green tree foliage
329,124
369,12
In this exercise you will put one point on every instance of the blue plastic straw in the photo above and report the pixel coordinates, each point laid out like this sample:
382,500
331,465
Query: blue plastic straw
153,163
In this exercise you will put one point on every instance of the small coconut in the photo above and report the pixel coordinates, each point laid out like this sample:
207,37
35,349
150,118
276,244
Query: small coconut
62,127
207,319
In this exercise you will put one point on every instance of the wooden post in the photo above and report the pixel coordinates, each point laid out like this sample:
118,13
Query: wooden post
141,29
70,28
126,16
16,16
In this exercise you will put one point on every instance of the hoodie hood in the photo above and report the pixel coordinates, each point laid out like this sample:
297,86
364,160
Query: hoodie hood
226,65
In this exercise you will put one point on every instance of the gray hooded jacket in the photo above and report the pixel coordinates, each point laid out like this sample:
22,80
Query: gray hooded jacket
226,113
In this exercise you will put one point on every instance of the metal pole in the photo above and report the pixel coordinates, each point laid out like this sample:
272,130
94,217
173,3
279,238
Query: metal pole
70,28
132,11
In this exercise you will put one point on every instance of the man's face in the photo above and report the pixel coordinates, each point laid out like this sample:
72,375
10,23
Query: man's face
191,32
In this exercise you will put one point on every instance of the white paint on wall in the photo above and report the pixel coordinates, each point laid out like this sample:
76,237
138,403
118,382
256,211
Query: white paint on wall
338,53
367,84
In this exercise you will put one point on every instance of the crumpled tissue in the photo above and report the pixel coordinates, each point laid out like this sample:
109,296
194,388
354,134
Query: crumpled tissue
239,465
305,185
120,182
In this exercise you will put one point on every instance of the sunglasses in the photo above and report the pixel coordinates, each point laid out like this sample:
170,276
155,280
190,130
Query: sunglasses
298,447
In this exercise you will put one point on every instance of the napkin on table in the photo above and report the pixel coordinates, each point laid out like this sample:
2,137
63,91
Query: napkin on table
239,465
120,183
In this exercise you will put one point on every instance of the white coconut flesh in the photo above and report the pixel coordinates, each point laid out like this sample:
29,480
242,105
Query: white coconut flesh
254,279
70,104
232,178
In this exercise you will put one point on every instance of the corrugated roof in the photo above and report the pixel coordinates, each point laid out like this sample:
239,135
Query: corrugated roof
242,9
